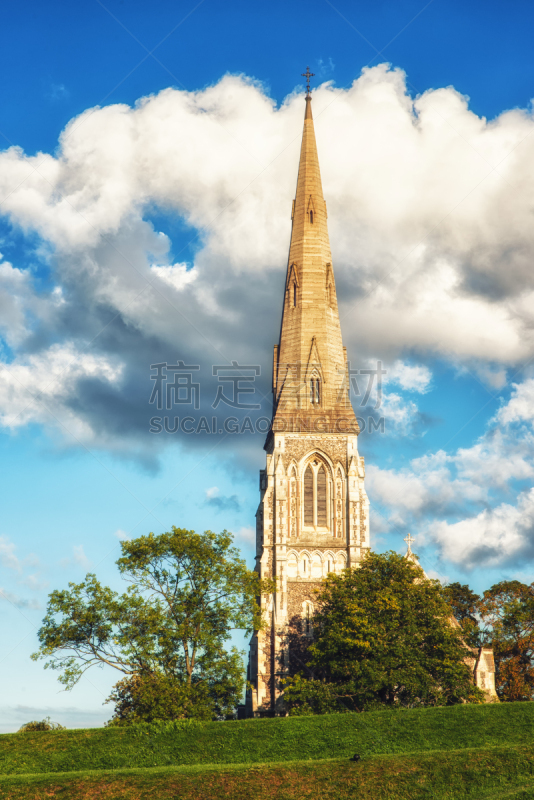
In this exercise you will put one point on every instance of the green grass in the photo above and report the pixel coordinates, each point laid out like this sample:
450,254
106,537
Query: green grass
472,774
474,752
268,740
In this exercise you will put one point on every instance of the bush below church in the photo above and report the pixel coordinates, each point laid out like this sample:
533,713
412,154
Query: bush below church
382,638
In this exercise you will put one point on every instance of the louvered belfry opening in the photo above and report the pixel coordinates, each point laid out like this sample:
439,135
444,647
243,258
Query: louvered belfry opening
315,496
308,496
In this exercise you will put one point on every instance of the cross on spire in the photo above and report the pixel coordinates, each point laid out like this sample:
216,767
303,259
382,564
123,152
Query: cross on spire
409,541
308,75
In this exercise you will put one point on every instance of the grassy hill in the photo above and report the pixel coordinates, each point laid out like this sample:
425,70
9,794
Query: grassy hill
459,752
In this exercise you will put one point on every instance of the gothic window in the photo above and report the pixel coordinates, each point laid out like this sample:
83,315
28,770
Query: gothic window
339,504
311,216
315,391
307,618
308,496
317,496
293,504
321,497
294,295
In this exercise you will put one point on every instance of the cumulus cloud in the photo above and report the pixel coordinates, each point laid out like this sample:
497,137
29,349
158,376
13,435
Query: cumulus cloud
40,388
400,415
504,533
520,408
177,275
462,500
430,220
410,377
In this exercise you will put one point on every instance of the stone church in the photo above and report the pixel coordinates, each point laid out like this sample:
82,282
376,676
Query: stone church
313,516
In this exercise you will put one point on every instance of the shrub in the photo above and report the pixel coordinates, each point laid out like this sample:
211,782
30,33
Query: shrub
45,724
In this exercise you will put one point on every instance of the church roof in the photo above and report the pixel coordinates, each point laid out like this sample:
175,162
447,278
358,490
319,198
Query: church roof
311,347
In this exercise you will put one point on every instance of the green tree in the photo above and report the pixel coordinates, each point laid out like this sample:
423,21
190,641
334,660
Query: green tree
465,607
507,610
382,636
169,630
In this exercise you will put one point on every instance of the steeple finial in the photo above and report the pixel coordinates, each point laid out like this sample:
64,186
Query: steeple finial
308,75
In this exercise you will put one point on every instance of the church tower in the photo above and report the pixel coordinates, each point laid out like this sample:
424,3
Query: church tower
313,516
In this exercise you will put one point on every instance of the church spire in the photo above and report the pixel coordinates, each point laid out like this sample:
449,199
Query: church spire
313,517
310,379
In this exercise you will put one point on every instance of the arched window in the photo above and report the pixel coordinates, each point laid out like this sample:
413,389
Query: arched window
307,618
308,496
316,496
294,295
311,216
321,497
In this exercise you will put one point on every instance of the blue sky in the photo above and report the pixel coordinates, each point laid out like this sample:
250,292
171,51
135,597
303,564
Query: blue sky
149,155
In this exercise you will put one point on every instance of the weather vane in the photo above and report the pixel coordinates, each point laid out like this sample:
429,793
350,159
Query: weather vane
308,75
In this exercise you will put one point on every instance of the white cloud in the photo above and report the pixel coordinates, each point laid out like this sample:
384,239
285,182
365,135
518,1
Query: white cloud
431,239
8,557
212,492
520,408
77,558
247,535
410,377
39,388
400,414
19,566
177,275
438,492
121,535
491,537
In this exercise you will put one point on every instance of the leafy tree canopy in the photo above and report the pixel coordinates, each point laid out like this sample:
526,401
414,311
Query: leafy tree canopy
507,612
382,635
167,631
465,608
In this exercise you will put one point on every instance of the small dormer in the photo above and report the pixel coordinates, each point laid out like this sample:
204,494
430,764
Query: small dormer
292,287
